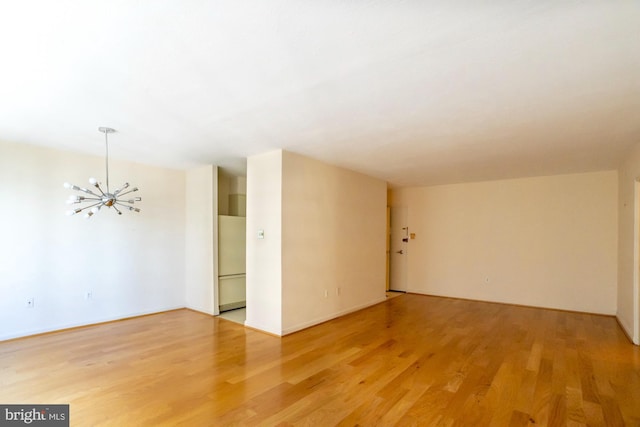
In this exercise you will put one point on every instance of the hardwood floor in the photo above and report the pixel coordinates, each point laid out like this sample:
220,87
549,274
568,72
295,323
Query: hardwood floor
412,360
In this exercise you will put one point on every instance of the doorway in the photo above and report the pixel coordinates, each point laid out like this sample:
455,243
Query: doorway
398,263
232,246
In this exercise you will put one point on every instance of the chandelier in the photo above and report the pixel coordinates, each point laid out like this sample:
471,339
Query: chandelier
102,196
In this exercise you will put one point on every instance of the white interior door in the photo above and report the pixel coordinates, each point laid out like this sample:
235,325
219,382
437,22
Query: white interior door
399,244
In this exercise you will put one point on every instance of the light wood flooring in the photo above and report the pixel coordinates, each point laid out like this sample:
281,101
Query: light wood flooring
412,360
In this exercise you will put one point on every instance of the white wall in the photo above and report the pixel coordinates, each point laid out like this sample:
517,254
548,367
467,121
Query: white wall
200,247
264,261
133,264
333,241
628,295
324,229
547,241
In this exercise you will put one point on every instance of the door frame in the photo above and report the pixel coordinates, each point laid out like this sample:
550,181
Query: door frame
636,263
405,247
388,245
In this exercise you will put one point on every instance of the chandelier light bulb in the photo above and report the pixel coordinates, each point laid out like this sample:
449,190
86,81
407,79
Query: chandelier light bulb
103,196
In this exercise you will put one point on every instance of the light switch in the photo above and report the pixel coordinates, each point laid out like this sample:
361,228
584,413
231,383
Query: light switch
260,234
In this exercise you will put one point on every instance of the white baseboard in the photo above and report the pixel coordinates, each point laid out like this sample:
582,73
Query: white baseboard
626,327
514,303
97,321
202,310
260,328
331,316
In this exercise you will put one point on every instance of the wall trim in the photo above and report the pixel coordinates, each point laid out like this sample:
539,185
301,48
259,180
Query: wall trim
200,310
249,325
515,304
625,329
620,321
195,310
70,326
262,331
332,316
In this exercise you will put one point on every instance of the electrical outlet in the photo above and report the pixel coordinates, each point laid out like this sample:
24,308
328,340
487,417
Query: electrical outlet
88,295
30,302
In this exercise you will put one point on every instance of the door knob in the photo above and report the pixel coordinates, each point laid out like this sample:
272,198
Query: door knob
399,252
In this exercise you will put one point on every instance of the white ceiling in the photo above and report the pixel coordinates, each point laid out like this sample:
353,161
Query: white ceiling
412,92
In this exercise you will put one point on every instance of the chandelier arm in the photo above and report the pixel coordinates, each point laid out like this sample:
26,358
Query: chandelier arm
92,193
127,192
130,207
124,186
116,208
100,189
89,206
84,190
